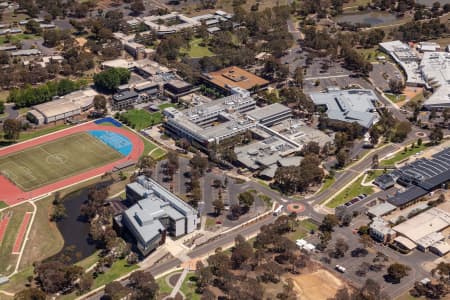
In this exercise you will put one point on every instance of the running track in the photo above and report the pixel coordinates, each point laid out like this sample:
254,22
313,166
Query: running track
11,194
21,233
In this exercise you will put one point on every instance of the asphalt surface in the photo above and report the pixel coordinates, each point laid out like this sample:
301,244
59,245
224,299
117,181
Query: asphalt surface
10,112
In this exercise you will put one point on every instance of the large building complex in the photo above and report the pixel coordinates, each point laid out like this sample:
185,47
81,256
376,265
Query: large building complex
355,105
407,59
435,67
211,122
155,213
62,108
419,177
232,77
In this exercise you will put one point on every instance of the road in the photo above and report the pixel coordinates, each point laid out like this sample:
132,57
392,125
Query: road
10,112
202,251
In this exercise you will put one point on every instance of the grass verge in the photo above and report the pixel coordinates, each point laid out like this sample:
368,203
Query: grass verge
118,269
327,183
395,97
350,192
399,156
372,174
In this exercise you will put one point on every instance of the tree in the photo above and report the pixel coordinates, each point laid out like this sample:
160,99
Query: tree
436,135
328,223
342,157
340,248
30,294
11,129
375,161
366,240
246,199
110,79
100,103
396,86
2,108
144,285
298,76
199,163
241,252
218,206
397,271
85,283
137,7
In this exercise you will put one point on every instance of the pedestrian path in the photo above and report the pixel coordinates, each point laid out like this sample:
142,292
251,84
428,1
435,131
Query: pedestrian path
180,281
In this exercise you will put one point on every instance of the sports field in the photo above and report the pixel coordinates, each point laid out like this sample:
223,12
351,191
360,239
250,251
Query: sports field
58,159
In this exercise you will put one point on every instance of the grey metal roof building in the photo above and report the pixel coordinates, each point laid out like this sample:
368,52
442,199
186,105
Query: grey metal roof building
155,212
355,105
421,176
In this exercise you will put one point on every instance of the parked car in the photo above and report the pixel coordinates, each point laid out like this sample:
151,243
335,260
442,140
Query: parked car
341,268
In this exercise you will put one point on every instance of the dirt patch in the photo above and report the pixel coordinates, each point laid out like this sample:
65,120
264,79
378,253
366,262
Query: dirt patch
411,92
320,284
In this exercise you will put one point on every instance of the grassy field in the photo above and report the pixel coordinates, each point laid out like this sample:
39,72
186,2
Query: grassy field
139,119
45,239
118,269
350,192
371,54
196,50
43,164
399,156
395,98
372,175
8,260
31,134
302,230
166,105
188,287
3,96
158,154
327,183
16,38
3,204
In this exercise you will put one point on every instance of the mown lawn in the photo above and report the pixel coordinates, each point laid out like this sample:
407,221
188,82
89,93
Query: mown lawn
372,175
31,134
302,230
139,119
327,183
371,54
45,239
89,261
395,98
158,154
16,38
8,260
350,192
399,156
118,269
196,50
166,105
188,287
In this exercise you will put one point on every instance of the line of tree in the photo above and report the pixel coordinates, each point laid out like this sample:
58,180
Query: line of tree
110,79
29,96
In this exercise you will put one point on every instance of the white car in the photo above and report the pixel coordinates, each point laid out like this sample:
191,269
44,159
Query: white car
341,268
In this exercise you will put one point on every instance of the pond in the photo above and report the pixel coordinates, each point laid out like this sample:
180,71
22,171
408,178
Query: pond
74,229
374,18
